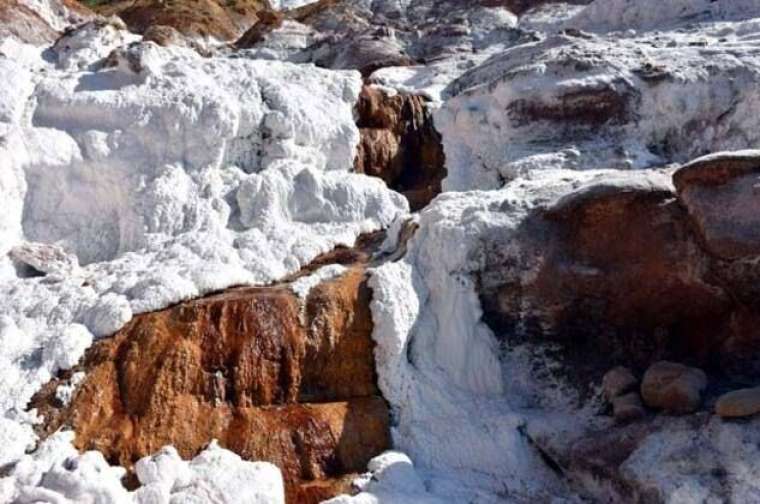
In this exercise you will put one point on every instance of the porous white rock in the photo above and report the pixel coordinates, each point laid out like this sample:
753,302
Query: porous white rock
391,478
215,475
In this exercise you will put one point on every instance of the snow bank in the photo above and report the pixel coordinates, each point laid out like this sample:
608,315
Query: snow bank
152,176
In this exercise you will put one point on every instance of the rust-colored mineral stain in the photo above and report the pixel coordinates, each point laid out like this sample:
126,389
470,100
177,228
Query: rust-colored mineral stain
400,145
272,378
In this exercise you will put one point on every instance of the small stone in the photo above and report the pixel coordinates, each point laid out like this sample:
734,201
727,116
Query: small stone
673,387
618,381
628,407
739,403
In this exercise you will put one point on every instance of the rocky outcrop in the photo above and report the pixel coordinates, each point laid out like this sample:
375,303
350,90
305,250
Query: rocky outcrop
270,376
197,18
369,37
23,21
631,271
520,6
720,194
399,144
613,273
573,100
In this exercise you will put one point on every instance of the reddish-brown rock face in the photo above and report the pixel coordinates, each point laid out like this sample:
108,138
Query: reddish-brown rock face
400,145
224,20
721,196
27,25
618,278
630,273
270,377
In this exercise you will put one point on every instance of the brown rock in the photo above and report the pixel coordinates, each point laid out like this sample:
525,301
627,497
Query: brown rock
612,274
722,198
612,102
400,145
24,23
628,407
222,19
268,20
618,381
163,35
673,387
739,403
268,377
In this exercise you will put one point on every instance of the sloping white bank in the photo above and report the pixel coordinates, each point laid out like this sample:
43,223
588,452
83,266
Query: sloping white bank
621,100
459,405
149,177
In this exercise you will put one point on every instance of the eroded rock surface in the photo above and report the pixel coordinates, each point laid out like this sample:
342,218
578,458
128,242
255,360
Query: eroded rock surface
268,376
200,18
399,144
673,387
25,20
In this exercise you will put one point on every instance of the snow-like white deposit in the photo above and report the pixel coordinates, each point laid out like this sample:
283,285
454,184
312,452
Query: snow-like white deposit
583,101
302,286
289,4
609,15
56,472
459,406
135,176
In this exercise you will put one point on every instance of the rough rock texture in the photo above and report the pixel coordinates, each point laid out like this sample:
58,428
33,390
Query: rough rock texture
224,20
169,176
739,403
611,271
387,34
628,407
399,144
269,378
618,381
580,100
721,195
673,388
24,20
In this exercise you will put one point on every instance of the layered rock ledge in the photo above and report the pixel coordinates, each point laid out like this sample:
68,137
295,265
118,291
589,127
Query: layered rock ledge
271,376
